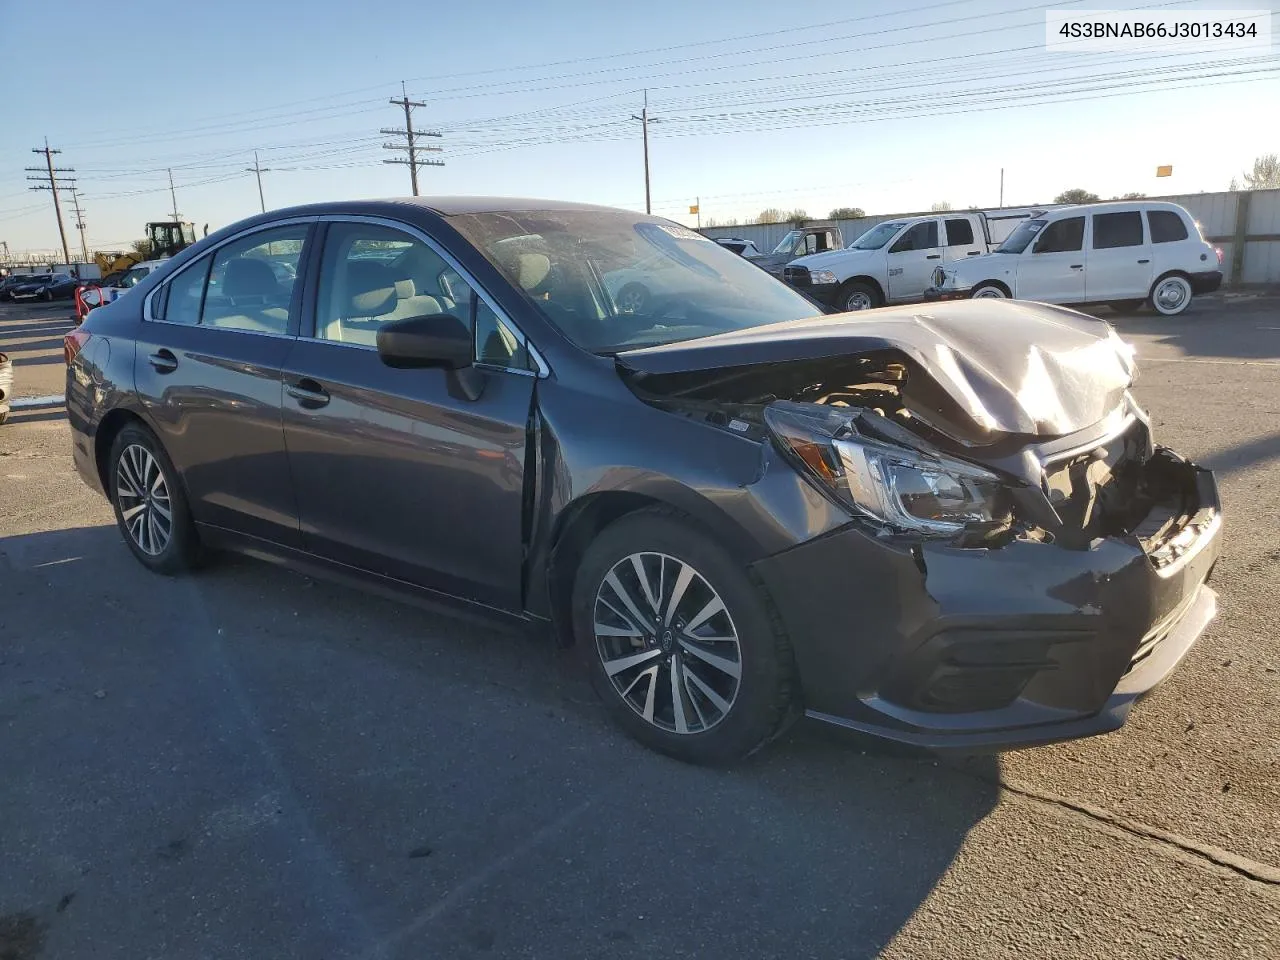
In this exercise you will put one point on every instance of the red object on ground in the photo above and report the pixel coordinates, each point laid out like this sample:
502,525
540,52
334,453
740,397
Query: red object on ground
83,305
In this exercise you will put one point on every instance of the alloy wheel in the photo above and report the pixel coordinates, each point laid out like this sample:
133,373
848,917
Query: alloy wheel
142,494
667,643
858,300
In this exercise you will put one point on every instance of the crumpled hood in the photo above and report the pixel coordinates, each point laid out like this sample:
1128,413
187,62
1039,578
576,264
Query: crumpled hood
1006,367
817,261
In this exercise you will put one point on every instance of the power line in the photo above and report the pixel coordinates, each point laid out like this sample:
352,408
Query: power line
49,178
411,140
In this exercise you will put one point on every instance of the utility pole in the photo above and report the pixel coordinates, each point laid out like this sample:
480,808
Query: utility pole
697,202
49,176
84,247
644,133
174,197
1002,186
259,169
411,139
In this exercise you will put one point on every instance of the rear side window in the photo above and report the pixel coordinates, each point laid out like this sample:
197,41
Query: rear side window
923,236
959,233
1117,230
1061,236
1166,226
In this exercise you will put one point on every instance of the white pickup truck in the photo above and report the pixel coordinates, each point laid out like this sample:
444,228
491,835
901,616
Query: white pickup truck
894,261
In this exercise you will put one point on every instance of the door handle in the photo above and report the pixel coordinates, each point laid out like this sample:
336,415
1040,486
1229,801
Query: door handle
308,393
934,256
163,360
1144,261
974,253
1077,266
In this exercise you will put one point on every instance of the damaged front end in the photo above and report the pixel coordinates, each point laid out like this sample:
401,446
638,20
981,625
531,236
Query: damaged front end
921,428
1021,563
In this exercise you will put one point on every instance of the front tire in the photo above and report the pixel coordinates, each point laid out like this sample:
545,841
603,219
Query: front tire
684,649
855,295
989,291
149,502
1171,295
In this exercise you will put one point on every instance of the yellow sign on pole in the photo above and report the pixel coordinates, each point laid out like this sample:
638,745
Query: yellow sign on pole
693,208
1165,171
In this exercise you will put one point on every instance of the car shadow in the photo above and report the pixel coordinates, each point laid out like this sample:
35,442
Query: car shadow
346,775
1237,330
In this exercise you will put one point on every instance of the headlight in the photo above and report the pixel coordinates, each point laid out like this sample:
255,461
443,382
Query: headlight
821,276
907,490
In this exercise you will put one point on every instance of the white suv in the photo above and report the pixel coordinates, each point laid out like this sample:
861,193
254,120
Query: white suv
1120,254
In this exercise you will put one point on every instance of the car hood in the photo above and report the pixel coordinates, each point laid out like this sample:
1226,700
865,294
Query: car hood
977,370
815,261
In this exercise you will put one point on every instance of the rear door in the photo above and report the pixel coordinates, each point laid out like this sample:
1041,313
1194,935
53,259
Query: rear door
911,260
398,471
1119,257
208,370
1053,269
962,238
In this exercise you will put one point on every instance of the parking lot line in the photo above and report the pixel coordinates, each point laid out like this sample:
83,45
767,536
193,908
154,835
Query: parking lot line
1230,363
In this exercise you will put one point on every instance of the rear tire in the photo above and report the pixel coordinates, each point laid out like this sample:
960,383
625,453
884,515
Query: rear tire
856,295
1171,295
150,504
719,650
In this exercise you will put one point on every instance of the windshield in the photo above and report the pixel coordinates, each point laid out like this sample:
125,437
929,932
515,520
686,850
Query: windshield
612,280
1018,240
788,242
877,236
132,277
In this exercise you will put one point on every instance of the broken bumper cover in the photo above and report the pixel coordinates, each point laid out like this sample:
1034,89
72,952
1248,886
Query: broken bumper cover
1011,646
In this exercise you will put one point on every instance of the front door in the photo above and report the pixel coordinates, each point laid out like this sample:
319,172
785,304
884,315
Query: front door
207,368
1053,271
401,471
912,259
1119,257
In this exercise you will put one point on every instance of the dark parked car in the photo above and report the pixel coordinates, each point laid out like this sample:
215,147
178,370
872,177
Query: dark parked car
950,530
8,283
46,286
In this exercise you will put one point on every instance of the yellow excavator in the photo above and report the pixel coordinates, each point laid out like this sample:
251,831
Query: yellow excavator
165,238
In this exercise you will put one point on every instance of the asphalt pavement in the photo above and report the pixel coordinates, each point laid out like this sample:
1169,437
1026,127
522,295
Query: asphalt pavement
248,763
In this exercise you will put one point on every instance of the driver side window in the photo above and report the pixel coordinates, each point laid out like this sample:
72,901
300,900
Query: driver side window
1061,236
923,236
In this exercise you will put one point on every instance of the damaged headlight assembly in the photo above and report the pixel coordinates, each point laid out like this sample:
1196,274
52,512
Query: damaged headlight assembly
904,490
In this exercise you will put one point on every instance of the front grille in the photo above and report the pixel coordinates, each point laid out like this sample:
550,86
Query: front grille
796,276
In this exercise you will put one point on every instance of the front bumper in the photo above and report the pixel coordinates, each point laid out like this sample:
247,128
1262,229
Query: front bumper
1011,646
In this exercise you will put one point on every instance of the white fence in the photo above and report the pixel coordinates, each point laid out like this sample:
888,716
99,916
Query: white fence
1246,225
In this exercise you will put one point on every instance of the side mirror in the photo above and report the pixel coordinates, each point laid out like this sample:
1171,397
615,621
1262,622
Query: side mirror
435,340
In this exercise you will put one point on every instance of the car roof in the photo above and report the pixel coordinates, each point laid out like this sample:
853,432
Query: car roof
454,206
1116,206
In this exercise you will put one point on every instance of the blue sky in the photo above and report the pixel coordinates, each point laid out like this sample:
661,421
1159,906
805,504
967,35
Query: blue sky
757,104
